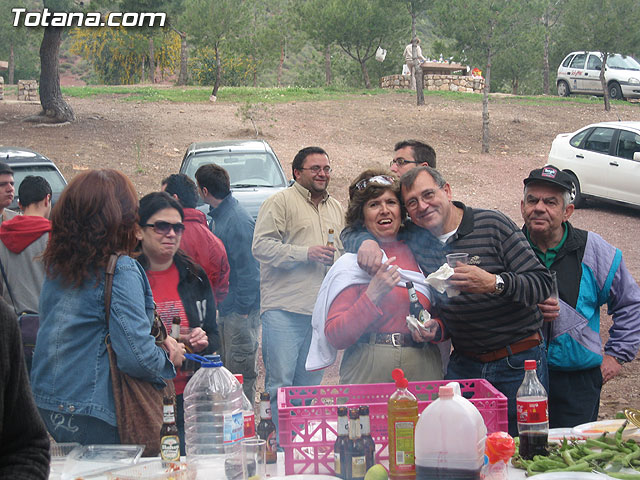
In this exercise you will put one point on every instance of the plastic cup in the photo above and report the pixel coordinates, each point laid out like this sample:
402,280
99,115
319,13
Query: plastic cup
254,458
454,258
554,286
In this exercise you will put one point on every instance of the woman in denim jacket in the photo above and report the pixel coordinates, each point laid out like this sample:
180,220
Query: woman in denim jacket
95,217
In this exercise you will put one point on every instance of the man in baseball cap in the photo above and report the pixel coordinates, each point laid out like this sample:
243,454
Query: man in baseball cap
590,272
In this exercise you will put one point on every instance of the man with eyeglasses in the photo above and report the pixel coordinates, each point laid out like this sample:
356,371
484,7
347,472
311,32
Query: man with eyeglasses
494,322
410,154
239,319
290,242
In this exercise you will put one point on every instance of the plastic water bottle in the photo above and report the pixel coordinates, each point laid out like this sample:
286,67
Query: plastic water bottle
213,418
450,439
248,412
533,413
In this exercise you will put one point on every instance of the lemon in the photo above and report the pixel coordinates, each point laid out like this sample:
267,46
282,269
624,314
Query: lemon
377,472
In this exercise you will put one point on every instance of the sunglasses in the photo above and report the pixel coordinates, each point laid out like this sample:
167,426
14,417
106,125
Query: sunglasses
163,228
378,179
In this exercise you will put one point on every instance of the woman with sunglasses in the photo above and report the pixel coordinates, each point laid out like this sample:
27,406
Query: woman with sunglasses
180,287
367,315
95,217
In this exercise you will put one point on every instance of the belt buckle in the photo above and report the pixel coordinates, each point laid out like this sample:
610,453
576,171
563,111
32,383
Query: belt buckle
395,339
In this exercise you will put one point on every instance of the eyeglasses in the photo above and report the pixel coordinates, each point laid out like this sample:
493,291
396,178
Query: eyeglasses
316,169
401,161
379,179
427,197
163,228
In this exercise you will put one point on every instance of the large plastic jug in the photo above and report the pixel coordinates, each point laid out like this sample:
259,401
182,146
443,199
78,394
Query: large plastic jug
213,420
450,438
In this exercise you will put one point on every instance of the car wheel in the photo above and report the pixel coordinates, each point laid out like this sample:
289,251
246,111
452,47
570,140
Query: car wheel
615,92
576,196
563,89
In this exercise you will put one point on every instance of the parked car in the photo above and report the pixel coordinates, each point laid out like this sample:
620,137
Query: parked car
579,72
26,162
253,167
603,160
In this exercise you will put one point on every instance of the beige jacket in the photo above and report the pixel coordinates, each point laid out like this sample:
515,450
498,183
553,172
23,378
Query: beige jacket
287,225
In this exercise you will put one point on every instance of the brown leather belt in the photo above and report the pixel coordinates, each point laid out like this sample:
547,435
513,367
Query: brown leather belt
516,347
395,339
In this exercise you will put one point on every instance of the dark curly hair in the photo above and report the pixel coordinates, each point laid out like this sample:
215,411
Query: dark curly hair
96,216
358,197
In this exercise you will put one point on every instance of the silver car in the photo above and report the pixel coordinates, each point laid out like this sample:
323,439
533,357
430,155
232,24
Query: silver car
254,170
579,72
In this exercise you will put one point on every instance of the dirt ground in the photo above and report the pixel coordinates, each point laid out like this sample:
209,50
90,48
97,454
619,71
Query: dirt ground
147,142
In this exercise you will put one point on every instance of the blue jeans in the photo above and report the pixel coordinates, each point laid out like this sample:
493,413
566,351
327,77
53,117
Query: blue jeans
505,374
86,430
286,337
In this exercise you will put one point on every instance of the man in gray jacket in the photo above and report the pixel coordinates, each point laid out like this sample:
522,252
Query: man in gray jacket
22,241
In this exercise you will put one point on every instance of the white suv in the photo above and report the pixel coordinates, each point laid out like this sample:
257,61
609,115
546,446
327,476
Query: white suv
579,72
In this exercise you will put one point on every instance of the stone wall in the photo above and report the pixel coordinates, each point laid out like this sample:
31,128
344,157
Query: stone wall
453,83
28,90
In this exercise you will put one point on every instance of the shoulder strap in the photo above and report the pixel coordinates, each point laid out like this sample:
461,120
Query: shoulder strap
6,282
108,285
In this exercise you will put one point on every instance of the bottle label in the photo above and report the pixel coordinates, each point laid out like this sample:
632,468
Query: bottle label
532,412
358,467
168,415
405,457
272,444
249,425
170,448
265,410
233,427
336,460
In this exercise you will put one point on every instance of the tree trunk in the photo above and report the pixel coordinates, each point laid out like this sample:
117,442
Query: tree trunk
327,65
143,70
51,99
281,63
365,74
184,54
485,104
545,63
152,62
12,65
417,68
216,84
514,86
603,82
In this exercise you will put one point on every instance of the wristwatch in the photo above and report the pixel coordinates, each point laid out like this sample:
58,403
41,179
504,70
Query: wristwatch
499,285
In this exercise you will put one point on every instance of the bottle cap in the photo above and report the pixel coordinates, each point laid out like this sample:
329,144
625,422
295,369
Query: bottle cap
342,411
208,361
353,413
530,364
409,284
445,392
364,410
265,396
239,377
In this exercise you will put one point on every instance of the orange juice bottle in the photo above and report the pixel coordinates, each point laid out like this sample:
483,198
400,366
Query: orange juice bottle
402,416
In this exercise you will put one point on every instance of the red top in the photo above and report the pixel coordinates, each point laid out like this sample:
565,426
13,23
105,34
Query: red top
164,286
206,250
352,313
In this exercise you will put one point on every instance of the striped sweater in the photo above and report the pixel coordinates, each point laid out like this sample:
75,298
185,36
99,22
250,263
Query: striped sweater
482,322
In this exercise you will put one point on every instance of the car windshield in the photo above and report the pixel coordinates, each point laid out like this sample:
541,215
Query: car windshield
252,169
623,63
50,174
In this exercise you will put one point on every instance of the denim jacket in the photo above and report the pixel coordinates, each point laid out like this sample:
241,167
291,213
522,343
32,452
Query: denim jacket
70,364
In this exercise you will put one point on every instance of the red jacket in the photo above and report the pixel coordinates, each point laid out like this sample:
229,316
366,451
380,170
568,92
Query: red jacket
206,250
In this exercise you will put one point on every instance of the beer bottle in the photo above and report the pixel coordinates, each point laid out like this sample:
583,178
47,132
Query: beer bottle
331,240
175,328
356,463
339,448
267,429
169,438
415,307
367,440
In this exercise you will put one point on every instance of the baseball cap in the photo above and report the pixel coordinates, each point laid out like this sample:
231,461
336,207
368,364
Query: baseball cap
550,174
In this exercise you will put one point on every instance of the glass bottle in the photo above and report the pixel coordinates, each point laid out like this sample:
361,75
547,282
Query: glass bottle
533,414
266,429
339,448
331,240
354,458
169,436
415,307
175,328
365,433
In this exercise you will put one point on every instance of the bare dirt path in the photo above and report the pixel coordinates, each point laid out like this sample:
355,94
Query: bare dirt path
147,141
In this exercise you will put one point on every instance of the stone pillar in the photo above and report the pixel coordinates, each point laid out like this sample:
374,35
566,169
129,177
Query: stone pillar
28,90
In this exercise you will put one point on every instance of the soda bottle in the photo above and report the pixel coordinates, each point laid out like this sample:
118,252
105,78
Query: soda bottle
365,433
354,458
339,448
169,437
249,415
402,416
267,429
532,413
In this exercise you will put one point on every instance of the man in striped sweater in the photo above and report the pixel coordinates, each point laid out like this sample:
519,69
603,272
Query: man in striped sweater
494,323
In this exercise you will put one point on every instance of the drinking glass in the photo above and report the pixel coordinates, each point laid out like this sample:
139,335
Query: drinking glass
254,459
454,258
554,286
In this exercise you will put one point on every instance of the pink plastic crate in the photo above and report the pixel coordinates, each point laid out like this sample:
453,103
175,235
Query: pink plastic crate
307,417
